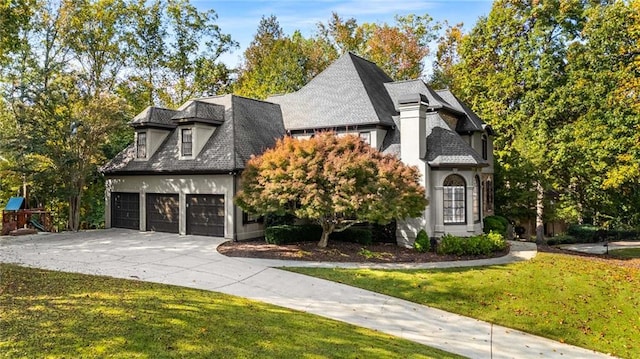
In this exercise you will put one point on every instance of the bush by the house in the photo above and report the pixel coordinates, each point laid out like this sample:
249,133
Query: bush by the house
272,219
286,234
561,239
584,233
496,224
353,234
477,245
422,243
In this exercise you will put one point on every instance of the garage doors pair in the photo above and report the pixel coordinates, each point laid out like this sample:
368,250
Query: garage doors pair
204,213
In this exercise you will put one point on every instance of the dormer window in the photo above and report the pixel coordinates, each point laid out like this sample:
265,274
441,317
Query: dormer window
187,142
141,145
485,147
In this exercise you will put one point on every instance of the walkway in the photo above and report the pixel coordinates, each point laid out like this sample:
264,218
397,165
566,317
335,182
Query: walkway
193,261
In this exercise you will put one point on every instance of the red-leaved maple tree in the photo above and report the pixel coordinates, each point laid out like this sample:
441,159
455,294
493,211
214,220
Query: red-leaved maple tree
334,181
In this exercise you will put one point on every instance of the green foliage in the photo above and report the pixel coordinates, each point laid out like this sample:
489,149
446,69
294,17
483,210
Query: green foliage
271,220
74,72
353,234
286,234
332,181
422,243
562,239
399,49
585,233
102,317
495,223
565,107
483,244
275,63
580,301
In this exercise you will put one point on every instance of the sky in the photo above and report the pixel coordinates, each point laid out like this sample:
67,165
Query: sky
240,18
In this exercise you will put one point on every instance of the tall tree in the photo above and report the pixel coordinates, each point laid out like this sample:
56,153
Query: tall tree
446,56
193,54
276,63
398,49
600,148
511,65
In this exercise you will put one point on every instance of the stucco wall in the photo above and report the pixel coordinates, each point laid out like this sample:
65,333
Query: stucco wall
183,185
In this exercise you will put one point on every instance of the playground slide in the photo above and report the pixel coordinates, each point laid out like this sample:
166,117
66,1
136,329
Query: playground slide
38,225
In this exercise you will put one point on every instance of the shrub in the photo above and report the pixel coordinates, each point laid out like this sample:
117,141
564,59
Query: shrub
272,220
482,244
496,224
285,234
422,243
353,234
584,233
561,239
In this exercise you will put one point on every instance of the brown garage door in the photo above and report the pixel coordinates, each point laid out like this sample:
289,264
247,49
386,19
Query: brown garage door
163,212
205,215
125,210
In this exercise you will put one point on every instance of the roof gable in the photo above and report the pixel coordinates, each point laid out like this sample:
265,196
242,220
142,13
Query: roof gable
350,92
446,148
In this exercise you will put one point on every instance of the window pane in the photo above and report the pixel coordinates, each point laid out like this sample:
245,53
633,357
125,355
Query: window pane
187,144
454,208
476,199
366,137
142,145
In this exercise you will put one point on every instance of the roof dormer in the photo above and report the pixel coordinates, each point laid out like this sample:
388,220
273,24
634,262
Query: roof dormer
196,121
152,126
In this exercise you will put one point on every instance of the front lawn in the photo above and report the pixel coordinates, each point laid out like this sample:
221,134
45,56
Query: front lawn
62,315
582,301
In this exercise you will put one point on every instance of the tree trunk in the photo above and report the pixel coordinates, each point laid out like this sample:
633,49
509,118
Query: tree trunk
327,229
539,213
74,209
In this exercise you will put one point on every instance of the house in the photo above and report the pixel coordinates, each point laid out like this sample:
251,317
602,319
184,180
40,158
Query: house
182,171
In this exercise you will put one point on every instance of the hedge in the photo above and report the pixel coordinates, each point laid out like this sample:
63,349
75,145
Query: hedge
285,234
483,244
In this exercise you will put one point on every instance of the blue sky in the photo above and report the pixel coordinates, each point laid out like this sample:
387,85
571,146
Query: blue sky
240,18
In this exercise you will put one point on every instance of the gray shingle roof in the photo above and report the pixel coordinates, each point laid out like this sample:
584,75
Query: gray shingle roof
471,121
154,117
446,148
402,88
199,111
249,127
349,92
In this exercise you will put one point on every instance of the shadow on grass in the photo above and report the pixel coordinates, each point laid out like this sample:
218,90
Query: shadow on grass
55,314
577,300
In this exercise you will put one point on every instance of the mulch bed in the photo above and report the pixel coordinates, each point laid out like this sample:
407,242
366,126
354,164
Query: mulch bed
338,252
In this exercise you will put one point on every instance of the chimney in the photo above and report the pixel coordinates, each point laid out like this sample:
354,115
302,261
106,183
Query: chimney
413,134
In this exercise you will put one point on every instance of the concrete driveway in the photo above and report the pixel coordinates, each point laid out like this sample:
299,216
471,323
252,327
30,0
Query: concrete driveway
192,261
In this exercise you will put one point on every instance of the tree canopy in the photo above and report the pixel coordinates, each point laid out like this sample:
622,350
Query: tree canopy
558,81
335,181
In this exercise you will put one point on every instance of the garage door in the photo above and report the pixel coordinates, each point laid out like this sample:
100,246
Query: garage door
125,210
163,212
205,215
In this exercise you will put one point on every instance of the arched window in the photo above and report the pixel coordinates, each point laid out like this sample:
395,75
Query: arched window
476,199
454,200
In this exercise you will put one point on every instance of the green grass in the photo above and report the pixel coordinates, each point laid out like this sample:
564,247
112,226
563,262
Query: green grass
625,253
581,301
46,314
